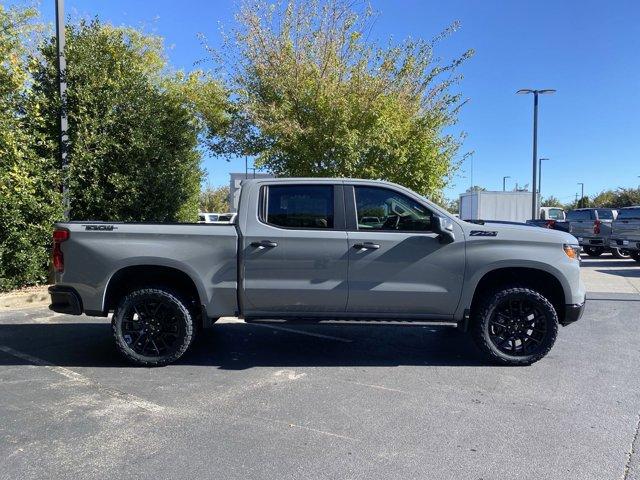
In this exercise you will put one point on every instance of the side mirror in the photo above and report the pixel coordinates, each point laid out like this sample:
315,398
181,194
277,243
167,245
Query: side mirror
443,226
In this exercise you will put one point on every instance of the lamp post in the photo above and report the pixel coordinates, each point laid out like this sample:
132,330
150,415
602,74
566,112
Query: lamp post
534,189
540,176
581,194
504,183
63,137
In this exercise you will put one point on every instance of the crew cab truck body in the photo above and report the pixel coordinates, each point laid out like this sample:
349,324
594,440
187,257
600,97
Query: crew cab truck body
625,231
307,250
592,228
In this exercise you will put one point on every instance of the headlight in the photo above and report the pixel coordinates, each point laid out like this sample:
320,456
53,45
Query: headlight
572,251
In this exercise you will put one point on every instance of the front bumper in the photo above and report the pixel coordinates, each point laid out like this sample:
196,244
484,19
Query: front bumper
572,313
65,300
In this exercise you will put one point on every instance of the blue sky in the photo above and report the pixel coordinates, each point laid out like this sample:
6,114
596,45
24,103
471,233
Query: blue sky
588,50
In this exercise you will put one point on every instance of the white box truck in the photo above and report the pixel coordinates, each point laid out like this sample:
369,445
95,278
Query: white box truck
505,206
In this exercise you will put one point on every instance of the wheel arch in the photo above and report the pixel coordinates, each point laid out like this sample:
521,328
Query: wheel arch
538,279
130,277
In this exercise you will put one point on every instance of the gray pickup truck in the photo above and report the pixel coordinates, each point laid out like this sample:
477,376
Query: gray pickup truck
592,228
321,250
625,231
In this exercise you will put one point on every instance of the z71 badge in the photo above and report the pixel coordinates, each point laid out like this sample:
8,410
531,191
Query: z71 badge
101,228
483,233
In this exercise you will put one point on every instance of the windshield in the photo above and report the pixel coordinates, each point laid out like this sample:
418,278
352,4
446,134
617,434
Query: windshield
629,213
556,214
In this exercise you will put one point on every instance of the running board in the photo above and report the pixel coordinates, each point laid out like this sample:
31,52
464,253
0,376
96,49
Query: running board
351,321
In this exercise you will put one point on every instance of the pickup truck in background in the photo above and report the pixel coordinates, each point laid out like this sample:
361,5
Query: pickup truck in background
592,228
321,250
625,231
551,217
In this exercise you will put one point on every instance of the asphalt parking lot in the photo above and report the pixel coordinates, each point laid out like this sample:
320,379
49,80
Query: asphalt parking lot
256,402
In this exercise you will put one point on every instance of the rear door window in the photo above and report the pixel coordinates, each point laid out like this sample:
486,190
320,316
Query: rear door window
299,206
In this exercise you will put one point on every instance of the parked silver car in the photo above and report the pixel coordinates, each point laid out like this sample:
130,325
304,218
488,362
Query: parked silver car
625,231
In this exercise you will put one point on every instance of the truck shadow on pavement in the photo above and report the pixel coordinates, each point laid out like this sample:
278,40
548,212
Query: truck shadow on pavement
239,346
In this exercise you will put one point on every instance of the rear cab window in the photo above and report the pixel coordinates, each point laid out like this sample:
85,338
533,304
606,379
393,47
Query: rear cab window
605,214
579,215
298,206
629,214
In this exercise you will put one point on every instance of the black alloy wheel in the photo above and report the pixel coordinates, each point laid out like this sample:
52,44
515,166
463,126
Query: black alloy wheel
515,326
152,327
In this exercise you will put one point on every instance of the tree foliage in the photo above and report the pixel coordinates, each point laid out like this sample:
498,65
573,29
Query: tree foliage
551,201
29,200
622,197
214,200
133,128
314,96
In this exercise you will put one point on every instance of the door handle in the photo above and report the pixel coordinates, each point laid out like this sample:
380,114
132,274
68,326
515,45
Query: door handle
264,243
366,246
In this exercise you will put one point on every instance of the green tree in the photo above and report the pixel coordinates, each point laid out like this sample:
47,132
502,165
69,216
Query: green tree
476,188
214,199
622,197
551,201
133,128
452,205
29,200
315,97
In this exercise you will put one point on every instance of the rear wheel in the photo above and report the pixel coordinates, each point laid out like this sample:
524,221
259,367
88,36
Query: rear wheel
620,253
636,256
594,251
153,327
515,326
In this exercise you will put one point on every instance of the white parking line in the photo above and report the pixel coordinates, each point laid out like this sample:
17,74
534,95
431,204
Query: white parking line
310,334
76,377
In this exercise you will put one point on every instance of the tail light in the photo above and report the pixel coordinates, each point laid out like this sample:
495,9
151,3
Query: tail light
59,235
596,227
550,224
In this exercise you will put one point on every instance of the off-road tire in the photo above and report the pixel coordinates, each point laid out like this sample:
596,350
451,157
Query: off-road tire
185,321
482,318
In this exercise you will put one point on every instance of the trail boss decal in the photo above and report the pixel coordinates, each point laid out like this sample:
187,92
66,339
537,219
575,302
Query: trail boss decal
100,228
483,233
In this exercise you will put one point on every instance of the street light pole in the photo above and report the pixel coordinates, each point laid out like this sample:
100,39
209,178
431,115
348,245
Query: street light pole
63,137
504,183
581,194
540,175
534,189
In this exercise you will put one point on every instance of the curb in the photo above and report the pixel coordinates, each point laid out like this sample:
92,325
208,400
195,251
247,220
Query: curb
31,297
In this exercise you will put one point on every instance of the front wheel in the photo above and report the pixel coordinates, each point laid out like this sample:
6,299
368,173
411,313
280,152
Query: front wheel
152,327
620,253
515,326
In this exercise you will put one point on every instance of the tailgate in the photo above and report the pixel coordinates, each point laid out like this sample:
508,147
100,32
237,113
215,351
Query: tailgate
629,229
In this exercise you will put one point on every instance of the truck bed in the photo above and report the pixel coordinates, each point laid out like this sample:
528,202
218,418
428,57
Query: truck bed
96,251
